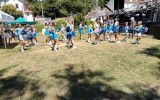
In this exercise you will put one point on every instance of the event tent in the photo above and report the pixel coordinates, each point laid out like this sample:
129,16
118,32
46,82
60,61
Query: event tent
22,21
4,17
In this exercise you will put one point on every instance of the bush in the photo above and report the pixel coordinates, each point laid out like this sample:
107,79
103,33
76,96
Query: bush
10,9
87,22
78,18
58,23
39,27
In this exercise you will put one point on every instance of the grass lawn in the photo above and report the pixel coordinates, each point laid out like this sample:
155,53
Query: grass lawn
91,72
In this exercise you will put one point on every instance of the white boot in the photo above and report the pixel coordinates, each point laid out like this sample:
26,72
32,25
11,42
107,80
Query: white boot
135,42
22,48
89,40
55,48
35,43
50,43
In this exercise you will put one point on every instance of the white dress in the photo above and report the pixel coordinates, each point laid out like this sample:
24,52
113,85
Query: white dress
97,28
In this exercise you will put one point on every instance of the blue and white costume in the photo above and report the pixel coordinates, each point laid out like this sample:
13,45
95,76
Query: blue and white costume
69,32
139,30
80,29
103,30
19,33
116,27
34,33
126,29
106,29
97,29
53,33
62,28
111,28
89,29
47,32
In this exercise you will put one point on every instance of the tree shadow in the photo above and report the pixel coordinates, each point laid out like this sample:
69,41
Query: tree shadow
10,46
92,85
14,87
3,71
154,52
143,92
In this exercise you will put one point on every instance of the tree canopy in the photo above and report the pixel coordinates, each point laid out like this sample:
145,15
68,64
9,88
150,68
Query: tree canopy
63,8
10,9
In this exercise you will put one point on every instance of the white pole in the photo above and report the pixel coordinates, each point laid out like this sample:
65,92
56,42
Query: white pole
2,28
42,11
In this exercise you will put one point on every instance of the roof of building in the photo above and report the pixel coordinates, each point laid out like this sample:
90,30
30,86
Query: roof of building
27,10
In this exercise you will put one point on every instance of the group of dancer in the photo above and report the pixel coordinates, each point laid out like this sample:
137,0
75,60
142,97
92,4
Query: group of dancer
111,27
107,29
67,34
25,36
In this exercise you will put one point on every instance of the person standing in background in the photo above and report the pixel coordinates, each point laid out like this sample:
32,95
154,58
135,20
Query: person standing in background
132,27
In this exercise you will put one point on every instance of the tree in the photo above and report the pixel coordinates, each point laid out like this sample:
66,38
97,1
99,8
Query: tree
102,3
78,18
60,8
10,9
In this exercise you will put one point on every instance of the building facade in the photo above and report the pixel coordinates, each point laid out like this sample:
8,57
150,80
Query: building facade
20,6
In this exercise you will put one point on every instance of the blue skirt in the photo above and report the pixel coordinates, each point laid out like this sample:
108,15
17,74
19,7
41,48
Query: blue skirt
35,34
54,36
69,35
88,31
107,30
47,33
80,30
73,33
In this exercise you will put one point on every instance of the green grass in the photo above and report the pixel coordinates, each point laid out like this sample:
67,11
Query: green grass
90,72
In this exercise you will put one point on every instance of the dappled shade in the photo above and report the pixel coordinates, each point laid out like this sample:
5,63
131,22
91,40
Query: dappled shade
92,85
153,52
13,87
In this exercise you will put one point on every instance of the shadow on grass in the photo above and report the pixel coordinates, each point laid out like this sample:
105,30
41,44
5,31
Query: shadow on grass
14,87
92,85
11,46
143,92
154,52
3,71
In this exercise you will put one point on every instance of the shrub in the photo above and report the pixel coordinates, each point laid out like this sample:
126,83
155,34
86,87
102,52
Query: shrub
78,18
58,23
39,27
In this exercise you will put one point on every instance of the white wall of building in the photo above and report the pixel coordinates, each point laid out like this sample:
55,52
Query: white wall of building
28,16
18,4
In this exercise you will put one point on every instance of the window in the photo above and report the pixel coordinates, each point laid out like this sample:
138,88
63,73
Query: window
27,13
16,5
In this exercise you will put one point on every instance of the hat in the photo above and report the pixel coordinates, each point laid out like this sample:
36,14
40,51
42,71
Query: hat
132,18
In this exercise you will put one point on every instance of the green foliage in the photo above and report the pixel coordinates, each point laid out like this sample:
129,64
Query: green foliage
102,3
78,18
60,8
59,21
93,22
35,7
10,9
87,22
39,27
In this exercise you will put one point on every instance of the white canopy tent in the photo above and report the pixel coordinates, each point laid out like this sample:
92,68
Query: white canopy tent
4,17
